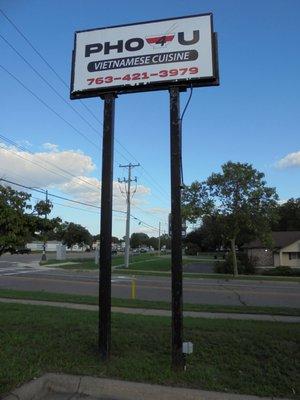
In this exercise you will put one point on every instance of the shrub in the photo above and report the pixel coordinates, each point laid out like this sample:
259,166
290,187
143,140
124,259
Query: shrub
245,264
281,271
191,249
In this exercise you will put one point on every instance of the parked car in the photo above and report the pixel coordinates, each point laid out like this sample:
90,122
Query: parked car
143,251
23,250
114,252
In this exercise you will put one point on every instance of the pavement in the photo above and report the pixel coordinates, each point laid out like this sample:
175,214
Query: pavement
53,386
236,292
159,313
22,272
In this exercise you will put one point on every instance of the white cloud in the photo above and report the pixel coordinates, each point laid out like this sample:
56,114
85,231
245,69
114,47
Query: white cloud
290,160
42,168
50,146
46,170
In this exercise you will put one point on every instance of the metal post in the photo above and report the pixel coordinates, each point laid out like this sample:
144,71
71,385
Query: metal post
44,257
106,227
159,238
176,254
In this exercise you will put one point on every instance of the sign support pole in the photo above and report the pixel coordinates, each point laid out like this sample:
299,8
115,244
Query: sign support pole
106,227
176,222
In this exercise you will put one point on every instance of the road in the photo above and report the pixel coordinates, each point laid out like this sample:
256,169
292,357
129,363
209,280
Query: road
30,276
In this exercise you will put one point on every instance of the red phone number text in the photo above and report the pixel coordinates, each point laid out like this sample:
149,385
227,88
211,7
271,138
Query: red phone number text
143,75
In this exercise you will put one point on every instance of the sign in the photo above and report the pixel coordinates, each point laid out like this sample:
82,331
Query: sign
145,56
183,226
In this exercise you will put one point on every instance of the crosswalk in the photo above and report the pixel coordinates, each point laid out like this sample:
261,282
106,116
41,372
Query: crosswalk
15,268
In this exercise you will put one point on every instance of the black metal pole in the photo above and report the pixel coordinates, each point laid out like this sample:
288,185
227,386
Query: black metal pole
176,226
106,228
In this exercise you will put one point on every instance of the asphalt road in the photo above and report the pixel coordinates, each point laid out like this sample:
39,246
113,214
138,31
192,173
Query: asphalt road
26,276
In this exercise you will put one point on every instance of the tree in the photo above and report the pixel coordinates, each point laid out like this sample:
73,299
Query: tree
165,240
15,224
139,239
19,221
289,216
115,239
72,234
153,242
196,201
43,208
242,202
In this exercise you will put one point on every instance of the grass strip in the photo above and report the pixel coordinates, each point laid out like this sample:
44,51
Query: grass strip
199,275
246,357
148,304
155,266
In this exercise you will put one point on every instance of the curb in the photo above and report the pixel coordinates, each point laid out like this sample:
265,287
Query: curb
81,386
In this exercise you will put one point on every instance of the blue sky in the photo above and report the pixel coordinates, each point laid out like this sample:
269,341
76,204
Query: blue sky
253,116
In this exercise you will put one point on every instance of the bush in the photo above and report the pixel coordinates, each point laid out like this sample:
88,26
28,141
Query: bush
191,249
281,271
245,264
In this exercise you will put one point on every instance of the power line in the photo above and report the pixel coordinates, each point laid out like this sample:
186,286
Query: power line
47,105
46,162
74,201
68,206
160,188
48,83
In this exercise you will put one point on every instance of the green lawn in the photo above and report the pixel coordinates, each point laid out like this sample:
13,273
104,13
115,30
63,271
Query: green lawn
158,305
234,356
89,263
153,265
143,262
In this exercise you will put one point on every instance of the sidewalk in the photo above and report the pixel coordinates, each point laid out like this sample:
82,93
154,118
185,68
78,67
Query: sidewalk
161,313
66,387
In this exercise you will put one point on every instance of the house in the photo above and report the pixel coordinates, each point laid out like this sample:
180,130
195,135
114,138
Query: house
285,251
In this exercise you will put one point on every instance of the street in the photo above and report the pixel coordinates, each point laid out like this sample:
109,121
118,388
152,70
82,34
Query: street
29,276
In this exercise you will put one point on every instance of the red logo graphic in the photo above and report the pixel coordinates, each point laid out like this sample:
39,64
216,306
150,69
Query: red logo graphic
160,40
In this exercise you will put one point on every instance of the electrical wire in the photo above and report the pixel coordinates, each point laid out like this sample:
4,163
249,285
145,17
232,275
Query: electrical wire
181,119
47,106
24,149
74,201
158,186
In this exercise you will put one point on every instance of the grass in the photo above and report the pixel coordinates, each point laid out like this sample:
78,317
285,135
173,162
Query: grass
194,275
89,263
234,356
152,265
158,305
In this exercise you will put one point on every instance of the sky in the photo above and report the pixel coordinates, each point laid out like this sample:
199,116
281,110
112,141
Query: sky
50,142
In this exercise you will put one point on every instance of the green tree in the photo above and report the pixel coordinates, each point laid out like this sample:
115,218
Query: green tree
289,216
242,199
15,222
241,203
165,240
72,234
139,239
43,208
153,242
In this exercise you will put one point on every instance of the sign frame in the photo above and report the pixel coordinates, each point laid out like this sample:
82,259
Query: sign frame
147,87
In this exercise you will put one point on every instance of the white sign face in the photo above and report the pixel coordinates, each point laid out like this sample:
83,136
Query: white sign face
145,56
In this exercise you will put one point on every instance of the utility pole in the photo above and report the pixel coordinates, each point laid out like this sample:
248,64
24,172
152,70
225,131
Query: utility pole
159,238
44,257
106,226
128,200
176,231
